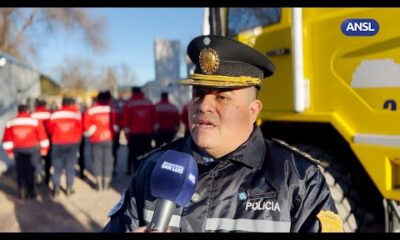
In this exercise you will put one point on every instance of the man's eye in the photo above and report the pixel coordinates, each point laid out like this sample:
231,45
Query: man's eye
223,97
196,96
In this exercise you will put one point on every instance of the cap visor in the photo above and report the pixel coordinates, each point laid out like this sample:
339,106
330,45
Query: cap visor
215,84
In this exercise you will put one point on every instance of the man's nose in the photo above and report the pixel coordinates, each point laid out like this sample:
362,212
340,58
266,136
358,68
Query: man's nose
207,104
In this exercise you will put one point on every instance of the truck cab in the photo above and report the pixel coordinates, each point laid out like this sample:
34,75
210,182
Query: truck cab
334,95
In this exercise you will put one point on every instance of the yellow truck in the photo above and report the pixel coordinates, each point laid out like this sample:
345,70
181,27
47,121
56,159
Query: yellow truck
334,95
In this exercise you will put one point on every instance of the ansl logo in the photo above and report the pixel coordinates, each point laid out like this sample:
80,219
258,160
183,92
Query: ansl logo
360,27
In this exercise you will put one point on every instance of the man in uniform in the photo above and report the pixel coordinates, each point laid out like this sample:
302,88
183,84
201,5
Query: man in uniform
65,127
98,126
139,117
167,120
246,183
25,140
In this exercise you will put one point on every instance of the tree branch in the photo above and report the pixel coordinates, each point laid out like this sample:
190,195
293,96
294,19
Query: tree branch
5,15
27,23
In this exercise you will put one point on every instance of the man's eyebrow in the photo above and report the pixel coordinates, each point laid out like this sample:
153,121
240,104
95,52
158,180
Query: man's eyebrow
214,91
229,90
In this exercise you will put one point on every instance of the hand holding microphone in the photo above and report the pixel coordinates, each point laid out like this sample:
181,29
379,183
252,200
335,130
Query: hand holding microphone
173,182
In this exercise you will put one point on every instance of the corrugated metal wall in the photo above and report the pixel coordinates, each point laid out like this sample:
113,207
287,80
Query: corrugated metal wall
18,84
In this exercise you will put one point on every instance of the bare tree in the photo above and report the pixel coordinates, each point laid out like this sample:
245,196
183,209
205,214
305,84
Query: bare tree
126,76
16,25
79,74
110,81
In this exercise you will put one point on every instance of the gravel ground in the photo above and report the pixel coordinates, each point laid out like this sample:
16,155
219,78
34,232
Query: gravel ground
84,211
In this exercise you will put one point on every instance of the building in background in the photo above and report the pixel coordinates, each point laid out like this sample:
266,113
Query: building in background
20,83
50,91
167,61
49,87
167,71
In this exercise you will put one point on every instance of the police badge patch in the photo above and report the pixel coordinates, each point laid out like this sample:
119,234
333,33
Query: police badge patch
209,61
117,206
330,221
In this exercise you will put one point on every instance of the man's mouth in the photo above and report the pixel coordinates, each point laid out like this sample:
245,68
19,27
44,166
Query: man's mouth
205,124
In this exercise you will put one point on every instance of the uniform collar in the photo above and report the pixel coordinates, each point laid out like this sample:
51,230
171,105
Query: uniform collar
69,108
40,109
137,96
164,100
23,114
251,153
199,155
101,104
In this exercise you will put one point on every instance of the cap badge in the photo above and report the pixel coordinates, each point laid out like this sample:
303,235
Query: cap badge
206,41
209,61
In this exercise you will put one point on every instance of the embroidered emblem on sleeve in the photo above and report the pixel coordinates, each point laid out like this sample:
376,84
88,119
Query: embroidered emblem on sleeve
330,221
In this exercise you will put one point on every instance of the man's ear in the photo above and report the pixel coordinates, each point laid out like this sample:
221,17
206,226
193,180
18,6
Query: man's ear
254,109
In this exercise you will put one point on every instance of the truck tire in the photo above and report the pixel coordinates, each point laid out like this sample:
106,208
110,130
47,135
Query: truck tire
347,199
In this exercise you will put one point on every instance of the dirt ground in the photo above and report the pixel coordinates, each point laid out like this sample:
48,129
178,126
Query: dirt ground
84,211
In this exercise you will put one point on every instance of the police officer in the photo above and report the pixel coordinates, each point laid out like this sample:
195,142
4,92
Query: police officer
98,125
246,183
167,120
65,127
139,118
25,140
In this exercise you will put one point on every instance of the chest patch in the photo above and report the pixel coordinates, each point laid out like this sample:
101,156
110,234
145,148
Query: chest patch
266,205
263,202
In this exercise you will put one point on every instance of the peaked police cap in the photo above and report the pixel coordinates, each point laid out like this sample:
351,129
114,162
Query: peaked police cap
222,62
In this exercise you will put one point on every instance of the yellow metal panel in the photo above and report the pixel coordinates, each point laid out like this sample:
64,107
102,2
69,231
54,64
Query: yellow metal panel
347,77
335,67
375,161
277,92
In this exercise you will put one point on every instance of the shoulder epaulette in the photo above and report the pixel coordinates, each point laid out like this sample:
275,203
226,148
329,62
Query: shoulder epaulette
297,151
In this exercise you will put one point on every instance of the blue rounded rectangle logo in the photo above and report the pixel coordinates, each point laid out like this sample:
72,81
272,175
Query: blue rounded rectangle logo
360,27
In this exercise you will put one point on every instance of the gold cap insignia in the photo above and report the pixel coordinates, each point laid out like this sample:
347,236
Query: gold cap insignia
330,221
209,61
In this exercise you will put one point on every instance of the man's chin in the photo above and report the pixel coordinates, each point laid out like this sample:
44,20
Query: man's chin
203,142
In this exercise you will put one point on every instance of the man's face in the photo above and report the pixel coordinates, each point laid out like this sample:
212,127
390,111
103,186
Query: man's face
222,119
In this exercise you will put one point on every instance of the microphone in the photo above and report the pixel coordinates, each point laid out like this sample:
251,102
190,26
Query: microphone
172,182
